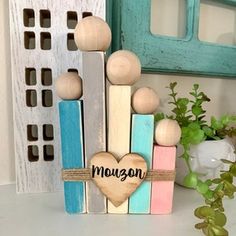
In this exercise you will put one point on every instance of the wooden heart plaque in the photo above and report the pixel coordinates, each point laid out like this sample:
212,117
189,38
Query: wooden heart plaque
117,180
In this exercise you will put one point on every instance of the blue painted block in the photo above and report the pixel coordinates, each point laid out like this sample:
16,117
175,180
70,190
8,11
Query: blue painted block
142,143
72,153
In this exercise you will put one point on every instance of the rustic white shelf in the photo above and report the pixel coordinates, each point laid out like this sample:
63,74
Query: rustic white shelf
43,214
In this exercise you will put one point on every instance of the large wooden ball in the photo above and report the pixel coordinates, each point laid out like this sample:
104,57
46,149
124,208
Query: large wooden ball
167,132
92,34
145,101
123,68
69,86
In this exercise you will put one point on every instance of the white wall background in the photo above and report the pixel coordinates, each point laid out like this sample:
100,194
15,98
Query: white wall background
6,126
217,24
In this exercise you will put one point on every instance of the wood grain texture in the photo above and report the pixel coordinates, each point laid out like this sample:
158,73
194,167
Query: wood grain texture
69,86
123,68
92,34
162,191
72,153
145,101
119,109
169,54
167,132
117,179
142,143
94,98
41,176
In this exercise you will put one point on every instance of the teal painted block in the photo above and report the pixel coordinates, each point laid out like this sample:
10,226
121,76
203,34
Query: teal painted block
130,23
142,143
72,153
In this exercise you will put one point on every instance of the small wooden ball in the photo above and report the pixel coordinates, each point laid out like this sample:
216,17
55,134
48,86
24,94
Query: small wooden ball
92,34
69,86
123,68
167,132
145,101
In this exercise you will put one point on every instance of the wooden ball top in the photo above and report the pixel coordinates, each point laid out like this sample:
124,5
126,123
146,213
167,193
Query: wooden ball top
145,101
92,33
167,132
123,68
69,86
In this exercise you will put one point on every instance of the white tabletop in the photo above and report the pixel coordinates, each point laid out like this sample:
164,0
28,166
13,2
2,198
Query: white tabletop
43,215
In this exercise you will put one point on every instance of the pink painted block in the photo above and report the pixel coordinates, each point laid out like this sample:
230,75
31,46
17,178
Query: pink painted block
162,191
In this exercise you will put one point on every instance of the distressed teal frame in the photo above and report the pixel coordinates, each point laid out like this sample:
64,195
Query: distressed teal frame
130,23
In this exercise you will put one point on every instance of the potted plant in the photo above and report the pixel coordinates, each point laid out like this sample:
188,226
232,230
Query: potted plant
200,152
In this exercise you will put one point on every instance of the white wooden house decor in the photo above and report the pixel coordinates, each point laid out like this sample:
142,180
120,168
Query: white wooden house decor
42,47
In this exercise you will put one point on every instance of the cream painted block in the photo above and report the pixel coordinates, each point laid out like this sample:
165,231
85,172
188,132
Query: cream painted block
119,117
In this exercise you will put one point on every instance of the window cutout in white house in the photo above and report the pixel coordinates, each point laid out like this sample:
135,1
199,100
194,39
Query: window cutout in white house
71,46
48,152
86,14
47,99
31,97
211,28
45,41
73,70
72,19
46,76
29,18
48,132
45,18
32,132
30,76
33,153
168,17
29,40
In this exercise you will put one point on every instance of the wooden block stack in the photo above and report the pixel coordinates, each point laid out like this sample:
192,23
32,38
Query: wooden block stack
69,88
144,102
93,37
123,70
167,135
162,191
94,120
84,128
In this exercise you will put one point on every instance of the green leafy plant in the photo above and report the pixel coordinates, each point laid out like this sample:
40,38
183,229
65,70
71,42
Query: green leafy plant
212,213
190,115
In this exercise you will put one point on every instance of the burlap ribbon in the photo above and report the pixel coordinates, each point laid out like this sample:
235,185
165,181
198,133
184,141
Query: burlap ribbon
84,175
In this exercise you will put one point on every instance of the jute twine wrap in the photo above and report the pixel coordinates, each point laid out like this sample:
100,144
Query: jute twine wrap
84,175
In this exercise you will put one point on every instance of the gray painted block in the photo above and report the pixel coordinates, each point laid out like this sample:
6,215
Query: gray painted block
94,120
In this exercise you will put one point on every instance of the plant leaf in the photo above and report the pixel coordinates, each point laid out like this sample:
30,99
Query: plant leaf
201,225
197,110
233,170
217,181
220,218
202,187
191,180
227,161
159,116
227,176
204,211
219,231
196,86
208,131
209,195
172,85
